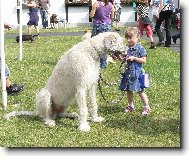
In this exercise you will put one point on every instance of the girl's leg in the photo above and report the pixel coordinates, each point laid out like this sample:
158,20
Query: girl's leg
144,99
130,106
29,29
130,97
37,30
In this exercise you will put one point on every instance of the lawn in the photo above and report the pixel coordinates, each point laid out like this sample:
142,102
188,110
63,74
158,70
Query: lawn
160,129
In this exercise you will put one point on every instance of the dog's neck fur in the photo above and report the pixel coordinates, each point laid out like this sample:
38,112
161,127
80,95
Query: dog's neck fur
98,45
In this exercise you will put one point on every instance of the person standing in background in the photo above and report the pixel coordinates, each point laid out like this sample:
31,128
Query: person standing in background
44,11
144,20
166,10
102,13
117,4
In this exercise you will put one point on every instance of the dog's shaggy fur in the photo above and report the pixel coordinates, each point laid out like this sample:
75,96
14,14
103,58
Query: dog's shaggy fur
75,77
87,34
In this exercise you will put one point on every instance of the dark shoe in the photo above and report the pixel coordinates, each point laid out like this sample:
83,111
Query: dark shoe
152,47
159,44
168,44
174,39
14,89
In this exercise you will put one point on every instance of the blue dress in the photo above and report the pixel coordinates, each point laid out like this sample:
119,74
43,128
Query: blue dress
130,80
34,18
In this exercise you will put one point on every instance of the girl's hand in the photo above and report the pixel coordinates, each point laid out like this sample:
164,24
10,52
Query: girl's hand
131,58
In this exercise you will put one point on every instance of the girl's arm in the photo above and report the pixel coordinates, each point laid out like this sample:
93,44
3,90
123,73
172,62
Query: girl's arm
137,59
94,8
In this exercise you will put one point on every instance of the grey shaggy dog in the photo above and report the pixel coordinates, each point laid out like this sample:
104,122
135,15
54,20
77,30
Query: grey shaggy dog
75,77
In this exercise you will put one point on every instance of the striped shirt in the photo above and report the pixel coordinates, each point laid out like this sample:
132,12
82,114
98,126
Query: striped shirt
143,10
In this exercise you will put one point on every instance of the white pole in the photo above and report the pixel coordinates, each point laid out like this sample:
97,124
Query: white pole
2,48
20,32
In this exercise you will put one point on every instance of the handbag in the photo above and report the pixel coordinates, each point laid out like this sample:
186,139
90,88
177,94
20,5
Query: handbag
145,80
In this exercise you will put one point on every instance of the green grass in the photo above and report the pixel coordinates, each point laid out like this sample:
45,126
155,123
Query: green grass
160,129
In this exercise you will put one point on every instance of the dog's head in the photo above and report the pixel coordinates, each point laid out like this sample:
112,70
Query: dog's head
54,15
114,43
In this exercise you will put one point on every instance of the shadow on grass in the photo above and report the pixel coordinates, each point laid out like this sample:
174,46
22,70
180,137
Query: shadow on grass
151,125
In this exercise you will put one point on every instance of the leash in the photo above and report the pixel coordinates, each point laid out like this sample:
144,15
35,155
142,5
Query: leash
109,85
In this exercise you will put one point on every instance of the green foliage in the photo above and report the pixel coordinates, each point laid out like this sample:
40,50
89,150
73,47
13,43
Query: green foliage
160,129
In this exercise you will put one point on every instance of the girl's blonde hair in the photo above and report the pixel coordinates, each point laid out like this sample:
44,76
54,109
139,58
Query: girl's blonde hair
132,31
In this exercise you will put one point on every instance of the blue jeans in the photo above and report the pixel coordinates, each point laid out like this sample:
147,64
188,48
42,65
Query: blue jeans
176,35
100,28
44,18
7,70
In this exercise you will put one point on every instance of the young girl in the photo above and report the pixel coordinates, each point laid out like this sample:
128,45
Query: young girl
144,20
136,57
33,13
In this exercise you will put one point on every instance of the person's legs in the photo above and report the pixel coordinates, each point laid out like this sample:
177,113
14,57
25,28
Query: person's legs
37,30
45,19
141,27
130,106
168,27
29,29
158,25
11,88
42,18
149,33
174,37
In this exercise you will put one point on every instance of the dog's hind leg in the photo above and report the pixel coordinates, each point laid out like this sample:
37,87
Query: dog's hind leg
44,107
93,107
83,111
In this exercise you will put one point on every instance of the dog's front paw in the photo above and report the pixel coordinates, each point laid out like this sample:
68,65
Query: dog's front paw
98,119
50,123
84,127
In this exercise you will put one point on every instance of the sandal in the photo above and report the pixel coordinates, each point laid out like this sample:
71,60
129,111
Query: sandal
129,109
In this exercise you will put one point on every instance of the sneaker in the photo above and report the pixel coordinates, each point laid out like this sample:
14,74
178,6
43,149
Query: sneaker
14,88
146,111
129,109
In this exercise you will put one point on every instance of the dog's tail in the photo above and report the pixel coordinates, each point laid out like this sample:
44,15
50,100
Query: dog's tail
19,113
